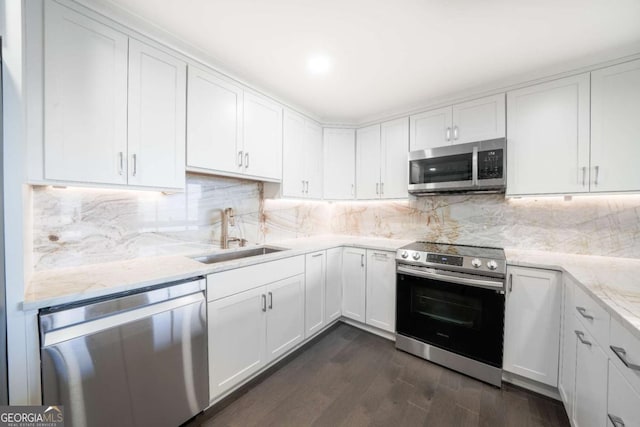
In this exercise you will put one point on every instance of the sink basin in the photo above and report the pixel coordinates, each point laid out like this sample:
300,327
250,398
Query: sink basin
244,253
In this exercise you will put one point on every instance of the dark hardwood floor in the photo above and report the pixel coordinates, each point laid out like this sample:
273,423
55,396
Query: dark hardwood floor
352,378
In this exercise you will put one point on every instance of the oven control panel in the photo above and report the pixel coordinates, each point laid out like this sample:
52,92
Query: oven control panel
445,259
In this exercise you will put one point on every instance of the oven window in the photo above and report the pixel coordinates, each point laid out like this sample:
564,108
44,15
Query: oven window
442,169
458,310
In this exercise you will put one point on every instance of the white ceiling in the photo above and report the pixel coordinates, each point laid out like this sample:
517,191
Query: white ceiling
391,55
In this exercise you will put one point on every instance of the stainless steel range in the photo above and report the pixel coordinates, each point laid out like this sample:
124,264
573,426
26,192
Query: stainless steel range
450,306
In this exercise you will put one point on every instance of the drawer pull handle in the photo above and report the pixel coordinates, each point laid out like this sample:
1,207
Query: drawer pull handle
264,302
622,355
580,336
583,313
270,300
616,421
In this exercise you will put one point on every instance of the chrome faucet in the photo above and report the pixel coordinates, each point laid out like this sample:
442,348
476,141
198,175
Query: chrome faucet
228,218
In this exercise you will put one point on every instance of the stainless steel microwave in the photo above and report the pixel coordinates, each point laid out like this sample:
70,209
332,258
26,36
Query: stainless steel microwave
474,167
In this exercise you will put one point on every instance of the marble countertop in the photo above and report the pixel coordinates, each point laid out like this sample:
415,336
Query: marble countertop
69,285
613,282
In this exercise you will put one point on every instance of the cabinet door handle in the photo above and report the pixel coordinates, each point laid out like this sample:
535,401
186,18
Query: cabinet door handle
377,188
510,282
448,134
246,160
595,181
382,188
580,336
239,158
616,421
622,355
361,260
353,189
583,313
584,176
135,165
455,132
307,190
303,186
121,170
264,302
270,300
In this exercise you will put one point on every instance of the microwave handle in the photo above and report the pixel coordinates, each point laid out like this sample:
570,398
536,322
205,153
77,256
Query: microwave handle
474,167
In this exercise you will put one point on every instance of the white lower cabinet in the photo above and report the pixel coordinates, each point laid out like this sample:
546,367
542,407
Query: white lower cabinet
255,315
532,324
567,371
237,339
623,403
333,289
284,315
314,294
354,283
590,406
381,290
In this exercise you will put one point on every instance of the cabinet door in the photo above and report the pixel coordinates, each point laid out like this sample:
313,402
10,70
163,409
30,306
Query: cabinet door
157,116
623,402
333,290
262,137
615,128
214,122
532,324
368,162
430,129
237,331
548,137
591,382
85,99
339,163
294,154
285,315
313,159
479,120
315,280
567,371
394,173
381,290
353,283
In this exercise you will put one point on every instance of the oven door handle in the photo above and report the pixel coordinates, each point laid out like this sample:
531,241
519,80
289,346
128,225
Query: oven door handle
488,284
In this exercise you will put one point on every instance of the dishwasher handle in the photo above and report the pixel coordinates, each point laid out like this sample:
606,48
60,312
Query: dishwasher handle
57,336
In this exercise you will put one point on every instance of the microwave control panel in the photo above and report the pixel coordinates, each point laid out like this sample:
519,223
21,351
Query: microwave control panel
490,164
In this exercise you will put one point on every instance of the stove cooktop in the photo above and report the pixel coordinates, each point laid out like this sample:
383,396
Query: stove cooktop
470,259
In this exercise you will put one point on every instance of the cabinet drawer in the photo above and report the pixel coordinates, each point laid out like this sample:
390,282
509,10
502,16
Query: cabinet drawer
225,283
623,403
594,318
627,347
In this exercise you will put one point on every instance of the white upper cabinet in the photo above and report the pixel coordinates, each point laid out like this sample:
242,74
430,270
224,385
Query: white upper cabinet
476,120
615,128
532,324
548,137
368,162
394,148
115,108
262,133
214,122
479,120
382,159
85,99
301,157
339,163
157,114
430,129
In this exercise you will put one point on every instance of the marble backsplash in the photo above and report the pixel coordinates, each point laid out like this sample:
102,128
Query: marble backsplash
595,225
79,226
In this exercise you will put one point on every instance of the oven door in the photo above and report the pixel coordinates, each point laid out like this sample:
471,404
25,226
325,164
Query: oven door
467,319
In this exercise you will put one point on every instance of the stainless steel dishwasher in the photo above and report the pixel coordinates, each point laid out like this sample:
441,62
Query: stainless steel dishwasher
139,359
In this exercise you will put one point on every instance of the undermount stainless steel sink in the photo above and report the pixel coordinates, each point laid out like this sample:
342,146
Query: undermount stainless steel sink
244,253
